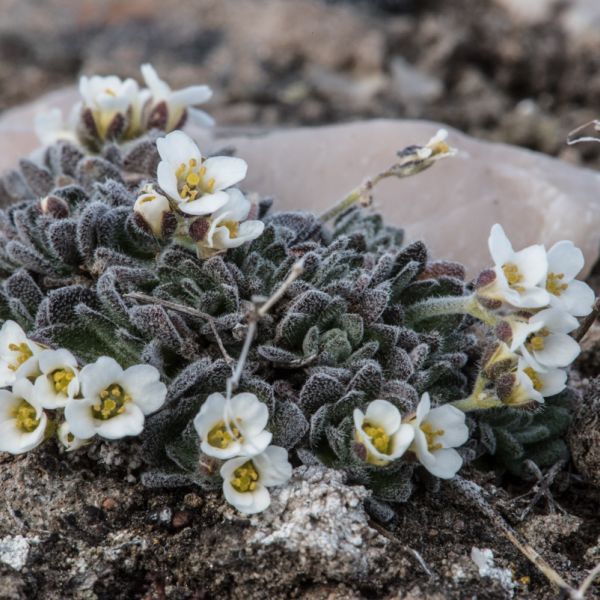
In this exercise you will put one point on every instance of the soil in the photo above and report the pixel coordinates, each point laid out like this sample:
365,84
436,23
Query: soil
88,528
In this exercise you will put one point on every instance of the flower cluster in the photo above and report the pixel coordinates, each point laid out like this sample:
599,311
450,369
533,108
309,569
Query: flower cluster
432,434
112,109
234,431
198,194
99,399
539,299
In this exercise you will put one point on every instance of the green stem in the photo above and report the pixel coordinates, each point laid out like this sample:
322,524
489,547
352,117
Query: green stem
450,305
479,401
361,194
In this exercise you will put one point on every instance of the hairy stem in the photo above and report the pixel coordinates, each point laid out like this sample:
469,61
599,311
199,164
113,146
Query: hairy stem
450,305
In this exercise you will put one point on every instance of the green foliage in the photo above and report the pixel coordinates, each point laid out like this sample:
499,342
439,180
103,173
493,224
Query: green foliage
512,436
338,339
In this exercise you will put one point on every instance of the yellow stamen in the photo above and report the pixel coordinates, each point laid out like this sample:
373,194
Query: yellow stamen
379,438
536,341
535,378
61,378
554,285
233,226
25,416
193,179
430,435
24,353
513,276
221,436
245,477
113,400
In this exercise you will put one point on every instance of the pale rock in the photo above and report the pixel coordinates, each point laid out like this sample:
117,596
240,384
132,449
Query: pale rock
452,206
14,551
529,12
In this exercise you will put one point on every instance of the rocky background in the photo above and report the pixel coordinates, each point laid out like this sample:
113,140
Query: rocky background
82,526
520,72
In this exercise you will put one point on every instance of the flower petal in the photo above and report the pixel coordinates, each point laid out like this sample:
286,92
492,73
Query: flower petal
142,383
577,299
565,258
273,466
78,414
249,413
200,117
205,205
447,463
560,350
382,413
190,96
178,148
225,170
499,245
423,408
129,422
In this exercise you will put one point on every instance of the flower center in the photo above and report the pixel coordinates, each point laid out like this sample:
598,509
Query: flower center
513,276
535,378
430,435
25,415
536,341
23,354
554,285
379,438
221,436
245,477
112,402
110,92
191,181
61,378
233,227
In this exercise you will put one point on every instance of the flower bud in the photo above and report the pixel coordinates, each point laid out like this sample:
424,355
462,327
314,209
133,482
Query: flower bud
55,207
497,360
152,211
199,228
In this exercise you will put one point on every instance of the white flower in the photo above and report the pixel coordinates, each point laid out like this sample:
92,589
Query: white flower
50,126
108,97
114,401
245,480
152,208
437,432
436,147
18,354
543,339
233,429
380,430
67,439
196,184
22,420
58,382
228,227
178,103
531,385
565,261
518,274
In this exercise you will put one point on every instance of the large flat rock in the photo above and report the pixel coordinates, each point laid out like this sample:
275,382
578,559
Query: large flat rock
451,206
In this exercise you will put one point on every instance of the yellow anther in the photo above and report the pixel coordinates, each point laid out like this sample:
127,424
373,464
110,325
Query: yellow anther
181,170
232,226
245,477
148,199
193,162
210,185
193,179
113,400
535,378
110,92
25,416
554,285
513,276
202,171
430,435
61,379
24,353
221,436
379,438
536,341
